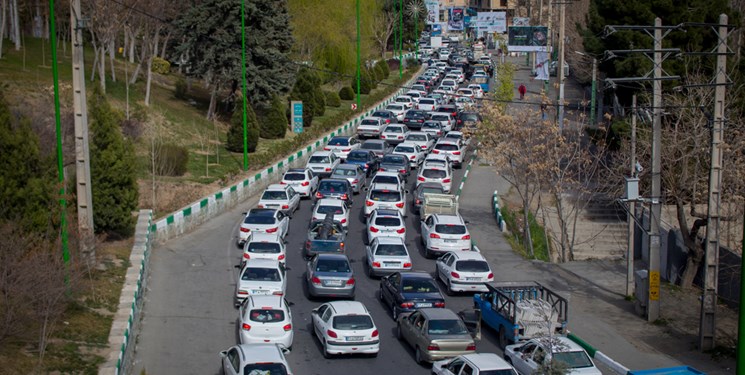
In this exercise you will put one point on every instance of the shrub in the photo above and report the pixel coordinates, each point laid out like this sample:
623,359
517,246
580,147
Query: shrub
235,133
274,124
332,99
346,93
169,159
319,101
383,66
161,66
392,65
304,90
412,64
365,83
369,75
181,89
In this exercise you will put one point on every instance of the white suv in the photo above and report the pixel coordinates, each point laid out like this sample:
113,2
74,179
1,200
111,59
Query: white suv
385,196
322,163
385,223
345,327
264,246
450,148
260,277
254,359
441,176
443,233
386,255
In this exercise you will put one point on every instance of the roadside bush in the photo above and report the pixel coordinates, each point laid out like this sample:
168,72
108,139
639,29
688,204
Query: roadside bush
365,82
370,76
274,124
303,90
392,65
412,64
161,66
170,159
319,101
235,133
332,99
346,93
181,89
383,66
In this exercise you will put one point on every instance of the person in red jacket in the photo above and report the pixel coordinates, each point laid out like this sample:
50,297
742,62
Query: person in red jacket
522,90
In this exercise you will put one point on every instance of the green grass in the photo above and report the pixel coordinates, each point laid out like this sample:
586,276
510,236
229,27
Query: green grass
537,235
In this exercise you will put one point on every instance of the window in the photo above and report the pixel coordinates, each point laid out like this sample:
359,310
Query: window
352,322
339,142
434,173
449,261
472,266
391,250
539,356
578,359
266,315
419,286
261,274
234,359
294,177
336,210
450,229
274,195
259,219
263,248
455,365
326,315
467,370
333,266
388,221
446,327
405,149
265,369
344,172
385,196
318,159
446,147
357,156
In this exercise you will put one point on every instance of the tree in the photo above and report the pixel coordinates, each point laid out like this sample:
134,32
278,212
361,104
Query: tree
274,125
235,133
305,88
113,169
383,25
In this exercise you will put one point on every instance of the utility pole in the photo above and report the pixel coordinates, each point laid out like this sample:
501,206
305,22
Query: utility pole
741,321
82,154
359,69
594,94
653,306
707,328
560,67
631,216
244,89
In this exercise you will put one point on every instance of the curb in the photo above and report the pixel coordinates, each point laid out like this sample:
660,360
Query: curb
497,212
599,356
465,175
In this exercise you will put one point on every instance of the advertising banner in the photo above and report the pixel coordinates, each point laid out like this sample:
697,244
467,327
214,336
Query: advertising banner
436,29
456,21
492,22
520,21
527,38
433,11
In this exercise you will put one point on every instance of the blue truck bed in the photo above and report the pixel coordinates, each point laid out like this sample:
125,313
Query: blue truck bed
680,370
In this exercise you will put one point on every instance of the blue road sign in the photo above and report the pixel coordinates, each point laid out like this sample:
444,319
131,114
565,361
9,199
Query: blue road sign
297,116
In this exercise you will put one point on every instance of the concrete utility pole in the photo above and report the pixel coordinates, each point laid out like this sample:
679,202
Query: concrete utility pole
653,307
80,108
560,67
707,330
631,216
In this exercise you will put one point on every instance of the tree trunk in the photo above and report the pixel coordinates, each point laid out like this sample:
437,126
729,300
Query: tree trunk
152,51
17,24
102,68
526,228
564,236
693,263
2,26
132,41
694,247
213,102
125,46
165,45
112,52
136,73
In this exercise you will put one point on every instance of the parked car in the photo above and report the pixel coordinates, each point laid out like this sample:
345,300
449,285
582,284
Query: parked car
267,220
476,364
302,180
405,292
260,277
345,327
385,223
423,140
280,197
352,173
335,207
384,196
394,134
378,146
330,275
435,334
386,255
443,233
464,271
529,356
322,163
254,359
335,188
341,146
370,127
264,246
410,151
365,159
265,319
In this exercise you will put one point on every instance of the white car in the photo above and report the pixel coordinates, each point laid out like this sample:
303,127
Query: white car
260,277
452,76
478,92
455,136
433,128
465,103
423,140
439,161
386,255
280,197
414,95
473,364
449,82
302,180
345,327
394,133
405,100
459,73
468,93
427,104
445,118
528,356
334,206
264,246
441,66
384,177
385,223
322,163
464,271
254,359
370,127
266,319
385,196
420,88
266,220
442,176
398,109
450,148
342,146
443,233
412,151
444,94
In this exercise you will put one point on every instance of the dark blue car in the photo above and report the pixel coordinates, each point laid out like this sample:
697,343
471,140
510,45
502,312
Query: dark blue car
365,159
405,292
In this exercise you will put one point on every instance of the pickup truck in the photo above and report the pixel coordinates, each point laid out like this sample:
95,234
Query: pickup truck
444,204
520,311
324,236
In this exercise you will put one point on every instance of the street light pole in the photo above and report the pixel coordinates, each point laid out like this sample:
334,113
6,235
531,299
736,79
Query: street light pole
400,38
358,55
245,86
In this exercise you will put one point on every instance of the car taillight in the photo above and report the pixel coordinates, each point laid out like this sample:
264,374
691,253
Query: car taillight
459,121
471,347
455,275
433,347
447,180
439,304
456,153
282,183
245,230
407,305
326,149
490,276
434,235
350,281
287,327
285,206
271,230
400,205
402,171
407,264
307,244
435,151
346,150
277,293
381,170
331,333
400,231
420,178
344,197
374,230
242,293
356,181
376,264
369,203
367,165
260,206
418,201
341,245
412,157
315,280
319,195
466,237
305,183
246,327
328,169
246,256
375,333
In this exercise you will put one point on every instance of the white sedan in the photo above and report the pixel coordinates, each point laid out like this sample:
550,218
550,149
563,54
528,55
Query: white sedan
386,255
412,151
280,197
478,92
266,220
260,277
423,140
345,327
333,206
385,223
266,319
464,271
394,133
303,180
527,357
476,364
398,109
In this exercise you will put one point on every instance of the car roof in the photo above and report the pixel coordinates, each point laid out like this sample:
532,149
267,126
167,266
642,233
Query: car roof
373,141
403,96
330,202
349,307
447,141
435,185
468,255
416,275
262,263
268,301
449,219
567,345
328,180
374,118
261,352
390,241
487,361
322,153
387,212
438,313
261,212
386,173
265,237
379,186
277,187
348,166
417,133
297,170
327,256
440,113
406,144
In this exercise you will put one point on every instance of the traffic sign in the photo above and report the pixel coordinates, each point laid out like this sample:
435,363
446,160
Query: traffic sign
297,116
354,106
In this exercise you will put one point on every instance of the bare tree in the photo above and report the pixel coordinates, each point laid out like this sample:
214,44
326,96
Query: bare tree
382,28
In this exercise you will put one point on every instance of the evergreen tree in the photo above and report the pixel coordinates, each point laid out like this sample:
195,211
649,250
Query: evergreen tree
275,121
383,66
304,90
113,169
235,133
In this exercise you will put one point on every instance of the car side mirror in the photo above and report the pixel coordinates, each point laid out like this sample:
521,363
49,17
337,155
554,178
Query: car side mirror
244,213
223,354
285,350
314,311
466,222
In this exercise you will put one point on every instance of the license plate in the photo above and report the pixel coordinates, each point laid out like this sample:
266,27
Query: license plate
259,291
355,338
420,305
473,279
451,241
333,283
391,264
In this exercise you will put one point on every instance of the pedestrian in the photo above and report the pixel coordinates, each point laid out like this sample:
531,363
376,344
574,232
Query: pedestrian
543,111
522,90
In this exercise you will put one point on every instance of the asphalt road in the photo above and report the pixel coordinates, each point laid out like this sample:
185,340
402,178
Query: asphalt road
189,315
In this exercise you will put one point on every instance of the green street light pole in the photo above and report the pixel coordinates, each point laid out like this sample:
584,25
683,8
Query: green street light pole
245,86
60,161
741,326
416,30
401,39
358,55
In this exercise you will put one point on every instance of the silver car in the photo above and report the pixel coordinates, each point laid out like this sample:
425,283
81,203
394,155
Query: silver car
330,275
353,173
386,255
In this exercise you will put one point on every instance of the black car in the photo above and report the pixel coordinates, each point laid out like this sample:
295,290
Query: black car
414,119
467,119
366,159
425,188
395,163
388,116
334,188
405,292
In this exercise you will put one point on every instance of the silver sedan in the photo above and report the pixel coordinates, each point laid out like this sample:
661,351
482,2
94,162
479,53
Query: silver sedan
330,275
352,173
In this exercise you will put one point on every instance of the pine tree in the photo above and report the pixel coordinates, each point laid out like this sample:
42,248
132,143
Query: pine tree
235,133
113,169
275,121
304,90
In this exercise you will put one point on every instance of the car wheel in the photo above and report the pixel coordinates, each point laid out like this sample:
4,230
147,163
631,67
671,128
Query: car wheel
502,338
449,288
398,332
394,313
418,356
326,353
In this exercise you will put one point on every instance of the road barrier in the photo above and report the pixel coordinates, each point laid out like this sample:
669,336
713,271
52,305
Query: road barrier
497,211
465,175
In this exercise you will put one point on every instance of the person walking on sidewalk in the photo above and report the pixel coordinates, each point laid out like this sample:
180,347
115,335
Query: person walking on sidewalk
522,90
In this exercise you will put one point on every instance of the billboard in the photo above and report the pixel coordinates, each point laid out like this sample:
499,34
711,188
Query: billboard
527,38
520,21
436,29
492,22
433,11
456,21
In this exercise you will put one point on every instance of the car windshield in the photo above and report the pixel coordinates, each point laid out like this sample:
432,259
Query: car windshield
294,177
573,359
498,372
352,322
332,187
403,100
393,159
372,146
267,315
446,327
344,172
454,135
381,114
261,274
446,147
419,286
472,266
450,229
427,101
431,125
336,210
263,248
319,159
433,190
259,219
417,137
332,265
325,246
440,118
405,149
394,129
434,173
385,196
357,156
391,250
395,108
339,142
274,195
265,369
470,117
370,122
388,221
385,180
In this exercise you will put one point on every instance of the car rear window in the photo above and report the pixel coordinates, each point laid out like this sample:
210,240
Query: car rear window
325,246
266,315
419,286
352,322
319,159
339,142
434,173
336,210
388,221
385,180
446,327
265,369
403,100
470,117
446,147
261,274
395,108
440,118
344,172
450,229
263,248
472,266
332,265
393,159
372,146
416,137
404,149
357,156
574,359
294,177
259,219
432,190
391,250
385,196
426,101
370,122
381,114
332,187
394,129
432,125
274,195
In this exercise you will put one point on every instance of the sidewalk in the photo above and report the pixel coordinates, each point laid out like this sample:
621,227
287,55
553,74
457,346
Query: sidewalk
598,312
